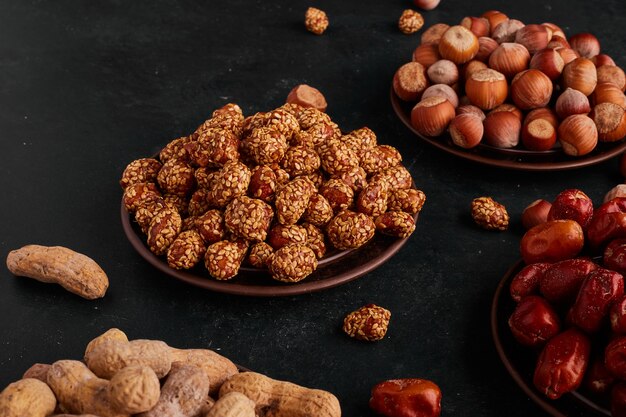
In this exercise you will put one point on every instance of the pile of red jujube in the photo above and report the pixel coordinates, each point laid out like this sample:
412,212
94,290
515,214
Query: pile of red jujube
570,297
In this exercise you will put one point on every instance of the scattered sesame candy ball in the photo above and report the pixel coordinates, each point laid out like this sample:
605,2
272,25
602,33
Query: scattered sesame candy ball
293,263
315,20
410,21
368,323
489,214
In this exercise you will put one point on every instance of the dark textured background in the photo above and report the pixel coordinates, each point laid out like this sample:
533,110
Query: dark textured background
86,87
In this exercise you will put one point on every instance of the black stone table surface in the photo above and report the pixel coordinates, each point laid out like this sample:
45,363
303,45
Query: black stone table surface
86,87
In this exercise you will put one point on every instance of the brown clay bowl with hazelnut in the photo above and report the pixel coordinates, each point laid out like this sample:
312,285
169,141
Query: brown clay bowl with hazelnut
519,360
512,158
336,268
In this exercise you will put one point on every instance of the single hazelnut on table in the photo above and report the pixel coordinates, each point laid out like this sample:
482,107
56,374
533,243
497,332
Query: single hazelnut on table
466,130
410,21
549,62
612,74
458,44
506,31
307,96
578,135
494,17
479,26
431,116
486,88
586,44
571,102
426,54
533,37
581,75
444,91
608,93
531,89
315,20
610,120
409,81
502,129
536,213
509,58
486,46
426,4
443,72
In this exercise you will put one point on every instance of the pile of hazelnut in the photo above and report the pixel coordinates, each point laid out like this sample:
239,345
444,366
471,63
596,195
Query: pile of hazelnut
272,189
495,80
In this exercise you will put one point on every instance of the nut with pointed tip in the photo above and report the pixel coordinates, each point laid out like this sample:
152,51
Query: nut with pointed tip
568,54
494,17
443,72
426,54
502,129
458,44
578,135
586,44
548,61
486,88
581,75
608,93
466,130
602,59
431,116
571,102
486,46
509,58
479,26
505,31
612,74
444,91
533,37
531,89
470,109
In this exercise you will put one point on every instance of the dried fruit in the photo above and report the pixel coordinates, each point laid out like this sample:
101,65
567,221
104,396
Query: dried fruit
489,214
409,397
368,323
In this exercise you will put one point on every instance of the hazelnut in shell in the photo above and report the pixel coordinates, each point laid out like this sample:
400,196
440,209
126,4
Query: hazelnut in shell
458,44
545,113
568,54
409,81
548,61
426,4
510,108
581,75
479,26
612,74
533,37
444,91
443,72
610,121
586,44
471,109
486,46
426,54
538,135
571,102
431,116
531,89
509,58
536,213
578,135
608,93
486,88
502,129
602,59
471,67
506,31
494,17
466,130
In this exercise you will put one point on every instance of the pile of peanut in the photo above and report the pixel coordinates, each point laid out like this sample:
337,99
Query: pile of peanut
273,189
148,378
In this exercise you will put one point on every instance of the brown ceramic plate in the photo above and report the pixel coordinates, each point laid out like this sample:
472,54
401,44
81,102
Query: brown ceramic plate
520,361
515,158
334,269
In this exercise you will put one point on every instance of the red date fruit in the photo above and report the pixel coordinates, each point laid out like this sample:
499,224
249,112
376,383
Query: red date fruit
408,397
534,321
608,223
598,379
618,400
562,280
618,316
526,281
615,357
552,241
562,363
599,290
574,205
615,255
